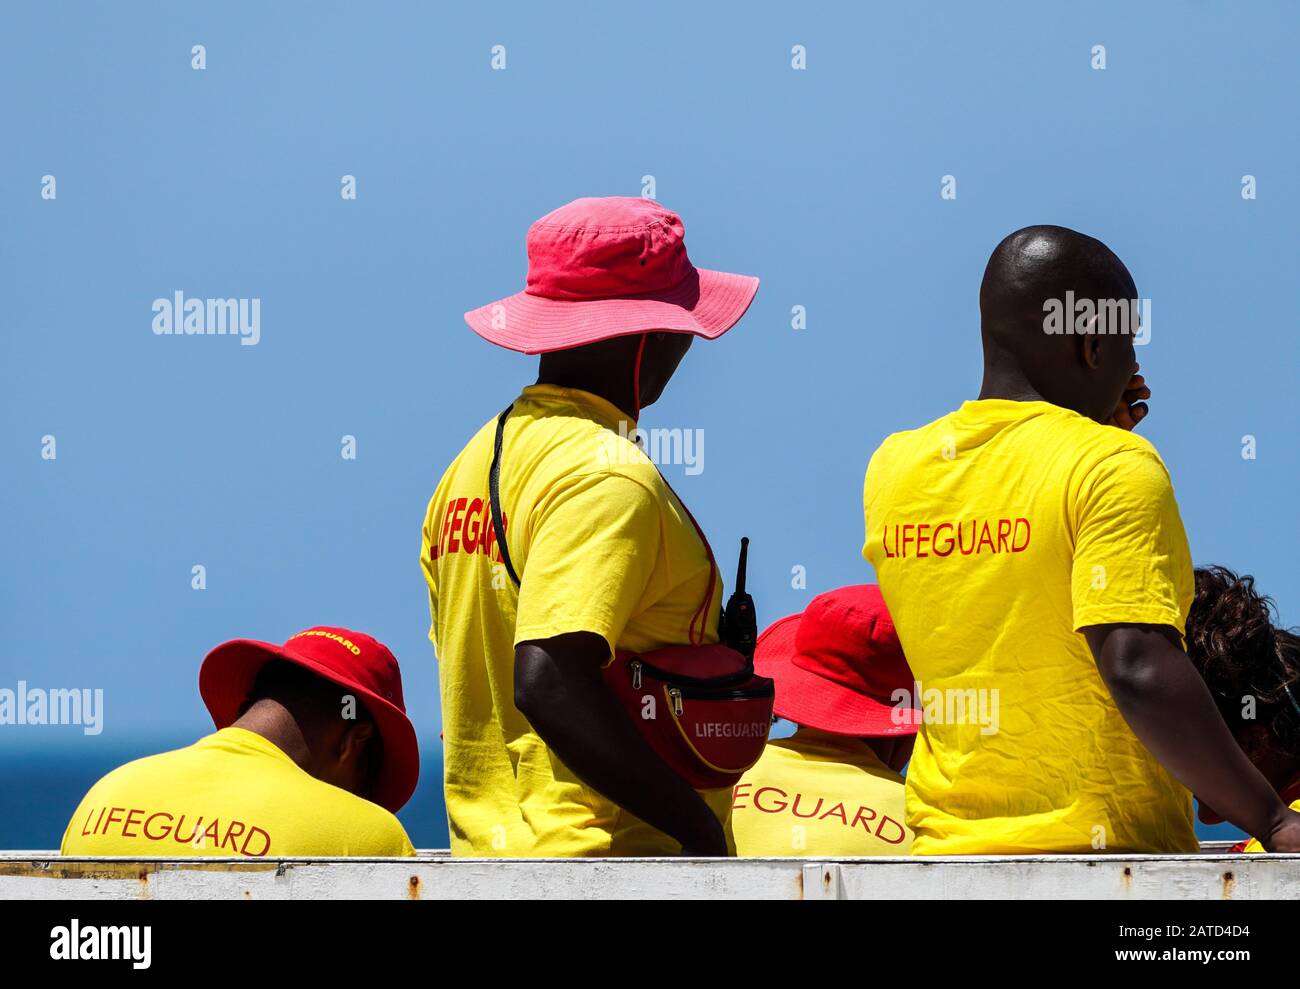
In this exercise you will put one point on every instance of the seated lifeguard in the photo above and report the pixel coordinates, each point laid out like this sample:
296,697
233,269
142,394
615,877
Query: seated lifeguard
312,756
833,788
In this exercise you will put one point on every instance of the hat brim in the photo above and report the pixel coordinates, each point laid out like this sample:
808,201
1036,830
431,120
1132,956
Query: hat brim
815,702
706,304
226,679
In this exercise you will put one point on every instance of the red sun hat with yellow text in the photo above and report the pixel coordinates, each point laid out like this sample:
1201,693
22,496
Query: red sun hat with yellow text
353,660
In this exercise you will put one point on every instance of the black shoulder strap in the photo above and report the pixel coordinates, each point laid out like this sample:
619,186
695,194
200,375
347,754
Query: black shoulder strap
494,494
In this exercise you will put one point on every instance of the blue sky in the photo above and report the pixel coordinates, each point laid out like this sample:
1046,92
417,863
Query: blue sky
177,451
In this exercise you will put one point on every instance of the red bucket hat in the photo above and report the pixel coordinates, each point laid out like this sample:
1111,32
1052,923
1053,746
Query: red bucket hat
609,267
837,665
350,659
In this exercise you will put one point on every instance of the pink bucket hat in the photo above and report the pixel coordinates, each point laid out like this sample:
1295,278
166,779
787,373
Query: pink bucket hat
610,267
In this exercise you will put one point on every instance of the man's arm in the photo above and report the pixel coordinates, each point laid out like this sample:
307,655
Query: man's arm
1166,703
560,690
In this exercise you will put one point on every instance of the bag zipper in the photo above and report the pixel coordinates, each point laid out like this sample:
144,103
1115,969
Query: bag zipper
746,693
740,676
752,693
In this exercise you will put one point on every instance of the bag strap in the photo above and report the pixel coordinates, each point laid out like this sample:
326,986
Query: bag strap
494,494
498,527
702,612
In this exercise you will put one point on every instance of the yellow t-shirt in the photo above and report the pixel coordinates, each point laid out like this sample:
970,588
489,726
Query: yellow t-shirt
822,795
997,532
601,545
231,793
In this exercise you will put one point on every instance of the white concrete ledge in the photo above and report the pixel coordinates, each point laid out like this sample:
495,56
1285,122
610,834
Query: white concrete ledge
434,875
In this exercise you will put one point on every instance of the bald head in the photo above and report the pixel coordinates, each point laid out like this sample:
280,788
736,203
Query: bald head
1036,264
1030,274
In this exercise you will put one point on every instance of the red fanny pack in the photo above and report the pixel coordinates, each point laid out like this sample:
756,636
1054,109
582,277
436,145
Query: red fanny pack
708,728
700,707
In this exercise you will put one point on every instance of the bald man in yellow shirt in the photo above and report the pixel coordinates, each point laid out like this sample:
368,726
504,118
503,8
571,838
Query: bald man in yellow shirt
1031,552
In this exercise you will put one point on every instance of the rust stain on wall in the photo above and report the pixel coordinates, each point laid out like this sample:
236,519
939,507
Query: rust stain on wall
139,871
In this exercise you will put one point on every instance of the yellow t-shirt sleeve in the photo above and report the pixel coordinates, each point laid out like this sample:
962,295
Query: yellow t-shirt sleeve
591,554
368,830
1131,559
400,842
372,830
384,834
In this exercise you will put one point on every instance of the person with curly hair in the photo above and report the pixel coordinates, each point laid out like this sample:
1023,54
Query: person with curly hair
1252,667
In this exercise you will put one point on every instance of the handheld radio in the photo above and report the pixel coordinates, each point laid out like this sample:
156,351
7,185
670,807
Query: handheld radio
739,622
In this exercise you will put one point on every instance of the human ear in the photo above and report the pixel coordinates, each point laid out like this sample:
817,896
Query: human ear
352,743
1090,345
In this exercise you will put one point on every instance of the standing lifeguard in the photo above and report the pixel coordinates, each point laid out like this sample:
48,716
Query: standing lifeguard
540,758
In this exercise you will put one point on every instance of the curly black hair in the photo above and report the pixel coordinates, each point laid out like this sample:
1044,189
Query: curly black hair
1239,650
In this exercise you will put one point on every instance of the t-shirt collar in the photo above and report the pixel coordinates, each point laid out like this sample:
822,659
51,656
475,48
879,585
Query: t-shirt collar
1009,409
249,740
599,409
815,736
1009,405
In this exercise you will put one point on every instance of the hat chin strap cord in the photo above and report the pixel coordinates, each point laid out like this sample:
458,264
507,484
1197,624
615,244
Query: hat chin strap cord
636,378
701,614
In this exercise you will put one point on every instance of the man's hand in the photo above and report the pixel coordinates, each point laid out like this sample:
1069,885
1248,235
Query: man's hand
1132,409
1285,836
